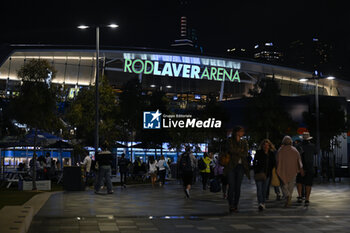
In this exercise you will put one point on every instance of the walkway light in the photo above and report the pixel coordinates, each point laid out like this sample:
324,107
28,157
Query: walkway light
83,27
113,25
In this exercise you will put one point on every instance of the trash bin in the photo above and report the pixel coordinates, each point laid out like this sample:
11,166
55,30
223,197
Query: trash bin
73,178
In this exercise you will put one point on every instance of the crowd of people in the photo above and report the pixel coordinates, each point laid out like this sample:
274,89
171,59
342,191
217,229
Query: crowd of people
281,169
46,167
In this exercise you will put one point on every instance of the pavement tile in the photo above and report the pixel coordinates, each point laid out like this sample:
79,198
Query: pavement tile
206,228
89,228
127,227
108,228
148,229
89,231
242,227
184,226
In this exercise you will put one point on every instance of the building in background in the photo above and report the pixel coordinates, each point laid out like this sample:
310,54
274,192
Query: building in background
188,36
238,51
268,52
311,54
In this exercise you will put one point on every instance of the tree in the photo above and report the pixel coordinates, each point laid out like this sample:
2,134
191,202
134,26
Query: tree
332,124
81,114
36,102
332,121
265,116
214,136
154,137
131,102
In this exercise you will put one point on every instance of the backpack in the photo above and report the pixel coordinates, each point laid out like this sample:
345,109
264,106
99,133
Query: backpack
185,163
215,186
201,164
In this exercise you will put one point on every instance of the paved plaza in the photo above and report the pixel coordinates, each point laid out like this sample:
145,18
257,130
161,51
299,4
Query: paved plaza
140,208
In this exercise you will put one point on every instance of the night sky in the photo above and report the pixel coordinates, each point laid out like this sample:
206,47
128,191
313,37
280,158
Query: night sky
155,24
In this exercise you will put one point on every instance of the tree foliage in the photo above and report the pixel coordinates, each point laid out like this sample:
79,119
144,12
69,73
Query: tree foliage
213,136
36,103
81,114
265,116
332,121
131,104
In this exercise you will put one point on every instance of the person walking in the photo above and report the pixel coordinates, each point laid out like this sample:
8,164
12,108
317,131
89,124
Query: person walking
264,162
104,160
152,170
87,166
237,150
272,165
123,169
289,164
162,166
219,175
186,167
48,166
205,170
307,157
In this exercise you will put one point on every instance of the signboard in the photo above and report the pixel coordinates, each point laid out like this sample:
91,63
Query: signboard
184,70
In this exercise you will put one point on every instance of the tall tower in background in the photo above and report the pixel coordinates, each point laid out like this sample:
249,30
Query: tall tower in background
188,39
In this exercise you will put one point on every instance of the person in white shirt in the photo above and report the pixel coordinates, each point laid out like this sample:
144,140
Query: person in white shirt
48,166
87,165
152,170
162,165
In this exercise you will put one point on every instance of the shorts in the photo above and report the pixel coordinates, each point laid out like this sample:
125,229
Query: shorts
153,174
305,180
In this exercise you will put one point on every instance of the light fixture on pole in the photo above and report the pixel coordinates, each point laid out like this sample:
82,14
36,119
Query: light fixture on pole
97,116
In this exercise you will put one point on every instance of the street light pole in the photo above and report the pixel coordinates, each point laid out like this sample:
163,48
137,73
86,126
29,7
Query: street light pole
317,112
316,77
97,98
97,117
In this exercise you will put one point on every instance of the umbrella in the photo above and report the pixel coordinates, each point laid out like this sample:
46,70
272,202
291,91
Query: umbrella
146,146
60,144
43,138
119,145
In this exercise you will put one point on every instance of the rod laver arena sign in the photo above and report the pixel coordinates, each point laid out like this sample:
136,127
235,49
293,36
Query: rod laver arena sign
173,69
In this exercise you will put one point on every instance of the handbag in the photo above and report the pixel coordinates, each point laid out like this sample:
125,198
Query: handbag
261,176
224,159
275,181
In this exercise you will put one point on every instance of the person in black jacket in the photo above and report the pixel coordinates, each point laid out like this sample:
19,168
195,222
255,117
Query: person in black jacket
123,169
104,160
263,163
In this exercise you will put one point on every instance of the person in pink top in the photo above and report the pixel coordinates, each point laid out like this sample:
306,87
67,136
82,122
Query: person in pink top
288,166
219,174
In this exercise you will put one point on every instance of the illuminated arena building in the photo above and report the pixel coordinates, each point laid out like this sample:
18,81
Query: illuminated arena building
187,78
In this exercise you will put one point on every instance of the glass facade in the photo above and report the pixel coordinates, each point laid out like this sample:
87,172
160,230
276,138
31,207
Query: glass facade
76,68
